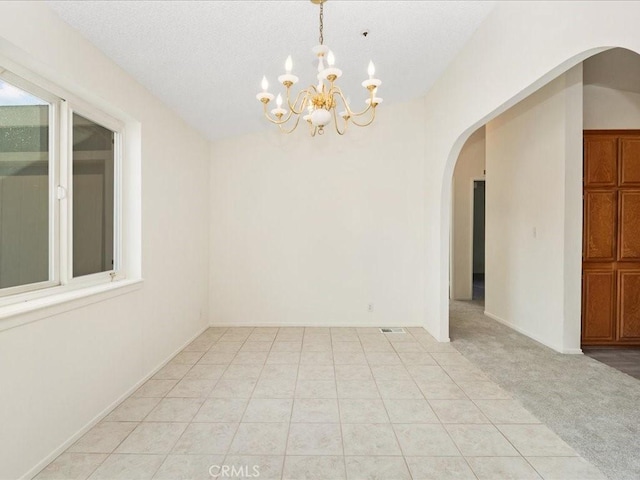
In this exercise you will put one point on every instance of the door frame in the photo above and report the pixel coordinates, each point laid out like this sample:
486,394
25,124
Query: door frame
472,211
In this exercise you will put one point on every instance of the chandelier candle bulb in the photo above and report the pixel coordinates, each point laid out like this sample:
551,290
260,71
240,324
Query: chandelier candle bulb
375,101
278,112
371,83
288,79
265,97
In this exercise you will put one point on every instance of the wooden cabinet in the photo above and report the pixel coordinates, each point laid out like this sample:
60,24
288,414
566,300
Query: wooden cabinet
611,238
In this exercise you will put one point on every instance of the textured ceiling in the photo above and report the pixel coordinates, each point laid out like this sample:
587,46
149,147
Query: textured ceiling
206,59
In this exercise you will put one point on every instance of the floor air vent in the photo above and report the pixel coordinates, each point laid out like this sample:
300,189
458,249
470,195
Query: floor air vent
392,330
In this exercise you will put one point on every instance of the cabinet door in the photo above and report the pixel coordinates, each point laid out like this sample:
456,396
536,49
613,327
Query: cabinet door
629,306
629,221
598,305
600,161
629,162
599,236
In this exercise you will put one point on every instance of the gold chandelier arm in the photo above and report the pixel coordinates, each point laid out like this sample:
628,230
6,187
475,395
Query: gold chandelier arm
292,107
349,111
312,130
295,125
275,121
335,122
373,117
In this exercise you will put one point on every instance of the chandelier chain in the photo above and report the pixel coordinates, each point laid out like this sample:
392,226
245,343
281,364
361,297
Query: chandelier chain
321,23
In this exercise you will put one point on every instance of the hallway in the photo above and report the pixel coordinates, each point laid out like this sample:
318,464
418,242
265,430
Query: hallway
590,405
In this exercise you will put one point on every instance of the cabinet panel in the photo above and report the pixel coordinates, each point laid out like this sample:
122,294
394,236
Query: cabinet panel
629,162
600,161
629,233
599,236
598,305
629,306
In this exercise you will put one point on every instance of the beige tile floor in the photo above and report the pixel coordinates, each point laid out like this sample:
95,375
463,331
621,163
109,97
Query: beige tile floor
319,403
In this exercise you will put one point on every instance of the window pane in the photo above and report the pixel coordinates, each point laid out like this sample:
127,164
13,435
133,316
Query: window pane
24,187
93,197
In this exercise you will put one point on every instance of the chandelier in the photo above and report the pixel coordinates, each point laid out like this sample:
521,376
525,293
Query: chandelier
318,104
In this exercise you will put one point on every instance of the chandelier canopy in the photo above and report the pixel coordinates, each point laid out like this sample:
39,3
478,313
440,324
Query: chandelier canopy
318,104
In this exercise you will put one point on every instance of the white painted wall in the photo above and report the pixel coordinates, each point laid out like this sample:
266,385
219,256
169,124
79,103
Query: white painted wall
57,374
530,150
610,108
310,231
469,167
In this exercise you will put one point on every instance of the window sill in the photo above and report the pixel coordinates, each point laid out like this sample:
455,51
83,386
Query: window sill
29,311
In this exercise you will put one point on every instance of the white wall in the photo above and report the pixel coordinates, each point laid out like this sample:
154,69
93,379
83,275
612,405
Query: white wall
60,372
610,108
469,167
533,155
310,231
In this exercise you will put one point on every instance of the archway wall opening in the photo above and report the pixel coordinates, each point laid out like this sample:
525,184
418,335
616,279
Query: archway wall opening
469,169
518,49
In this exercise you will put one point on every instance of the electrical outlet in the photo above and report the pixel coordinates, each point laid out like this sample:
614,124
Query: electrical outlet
370,307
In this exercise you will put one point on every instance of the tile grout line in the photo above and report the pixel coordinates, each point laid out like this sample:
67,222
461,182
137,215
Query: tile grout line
293,403
438,417
335,381
244,411
384,405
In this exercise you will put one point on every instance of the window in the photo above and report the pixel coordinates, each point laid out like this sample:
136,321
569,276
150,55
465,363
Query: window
59,167
25,156
93,197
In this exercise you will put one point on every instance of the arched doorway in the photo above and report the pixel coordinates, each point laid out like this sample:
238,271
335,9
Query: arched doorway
560,287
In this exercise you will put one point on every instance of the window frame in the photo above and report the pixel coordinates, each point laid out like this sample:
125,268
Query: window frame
97,116
62,105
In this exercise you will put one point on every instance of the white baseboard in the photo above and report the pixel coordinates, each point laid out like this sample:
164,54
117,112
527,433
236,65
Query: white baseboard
316,324
572,351
532,335
325,325
94,421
